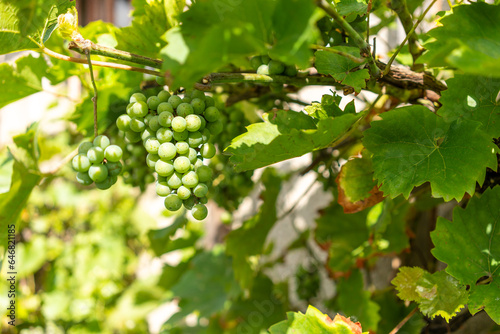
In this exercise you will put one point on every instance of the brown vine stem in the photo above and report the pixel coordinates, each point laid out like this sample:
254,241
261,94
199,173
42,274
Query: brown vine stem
404,321
94,98
100,63
340,53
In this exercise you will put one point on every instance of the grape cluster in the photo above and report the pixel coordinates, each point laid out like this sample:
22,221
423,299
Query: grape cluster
175,133
135,172
267,66
98,162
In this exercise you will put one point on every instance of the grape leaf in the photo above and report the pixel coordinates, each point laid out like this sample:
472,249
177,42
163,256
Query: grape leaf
469,39
286,134
351,8
248,240
472,97
329,107
160,239
470,245
340,67
412,145
28,24
315,322
437,294
174,8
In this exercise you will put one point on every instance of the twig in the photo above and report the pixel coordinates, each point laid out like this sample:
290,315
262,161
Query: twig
404,321
408,35
360,42
368,10
343,54
94,98
401,9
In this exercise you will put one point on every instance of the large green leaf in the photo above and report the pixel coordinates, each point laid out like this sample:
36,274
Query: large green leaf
27,24
475,98
470,245
437,294
469,40
412,145
286,134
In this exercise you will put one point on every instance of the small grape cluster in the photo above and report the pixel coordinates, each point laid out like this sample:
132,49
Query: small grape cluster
175,132
267,66
98,162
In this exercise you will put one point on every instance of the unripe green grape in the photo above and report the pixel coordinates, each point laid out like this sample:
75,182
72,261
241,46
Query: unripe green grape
263,70
152,145
81,163
95,155
209,101
265,59
107,183
160,81
184,109
188,203
164,135
133,136
255,62
181,136
205,135
198,163
182,147
179,124
139,109
165,106
151,160
183,192
204,174
203,200
203,123
154,124
84,147
190,179
149,179
162,189
137,125
195,139
186,99
123,122
198,94
163,96
232,130
192,155
199,212
84,178
137,97
153,102
164,168
161,178
276,67
113,153
173,202
147,133
193,122
182,164
201,190
211,114
198,106
174,100
236,116
174,181
101,141
114,168
215,127
167,151
165,119
291,71
98,173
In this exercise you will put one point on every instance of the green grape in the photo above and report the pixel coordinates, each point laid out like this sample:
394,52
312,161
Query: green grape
255,62
192,155
182,147
183,192
167,151
173,202
163,96
182,164
147,118
162,189
195,139
123,122
203,200
291,71
153,102
184,109
203,123
263,70
84,147
114,168
201,190
160,81
265,59
147,133
149,178
199,212
139,109
207,151
198,105
164,135
174,100
165,119
137,125
101,141
186,99
181,136
107,183
152,145
133,136
204,174
198,94
164,168
175,180
165,106
189,203
151,160
84,178
137,97
95,155
190,179
236,116
209,101
113,153
211,114
276,67
215,127
193,123
81,163
98,173
154,124
198,163
179,124
162,178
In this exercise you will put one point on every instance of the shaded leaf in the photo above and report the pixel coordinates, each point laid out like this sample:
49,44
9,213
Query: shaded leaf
173,8
160,239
